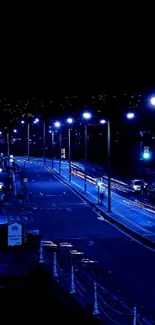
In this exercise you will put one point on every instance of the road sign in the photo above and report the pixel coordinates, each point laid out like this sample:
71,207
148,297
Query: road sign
15,234
146,149
25,180
63,153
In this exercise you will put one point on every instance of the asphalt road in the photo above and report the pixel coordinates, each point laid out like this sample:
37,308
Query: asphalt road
61,215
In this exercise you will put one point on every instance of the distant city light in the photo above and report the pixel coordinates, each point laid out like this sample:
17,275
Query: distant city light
86,115
22,122
146,155
130,115
70,120
152,101
103,121
50,131
15,130
0,132
57,124
36,120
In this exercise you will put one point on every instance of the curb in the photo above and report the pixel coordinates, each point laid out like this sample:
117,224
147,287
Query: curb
134,234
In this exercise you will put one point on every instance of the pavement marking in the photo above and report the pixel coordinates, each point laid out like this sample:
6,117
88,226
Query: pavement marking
64,192
41,193
69,209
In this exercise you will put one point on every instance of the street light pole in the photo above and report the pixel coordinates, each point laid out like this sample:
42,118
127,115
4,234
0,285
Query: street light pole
44,142
109,166
60,153
85,160
8,144
28,141
69,152
52,149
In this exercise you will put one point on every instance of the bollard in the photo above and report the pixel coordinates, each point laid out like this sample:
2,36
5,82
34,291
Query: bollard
55,273
72,290
134,315
95,309
41,258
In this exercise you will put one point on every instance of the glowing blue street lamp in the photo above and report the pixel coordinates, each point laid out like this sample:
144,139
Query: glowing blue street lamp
130,115
152,101
103,121
86,115
57,124
146,155
69,121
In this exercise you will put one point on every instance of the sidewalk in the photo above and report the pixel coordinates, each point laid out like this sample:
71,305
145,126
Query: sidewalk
39,296
124,215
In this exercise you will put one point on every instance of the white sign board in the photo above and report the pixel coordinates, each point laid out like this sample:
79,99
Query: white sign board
25,179
14,234
146,149
63,153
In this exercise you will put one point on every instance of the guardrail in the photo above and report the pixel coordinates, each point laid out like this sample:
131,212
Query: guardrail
64,262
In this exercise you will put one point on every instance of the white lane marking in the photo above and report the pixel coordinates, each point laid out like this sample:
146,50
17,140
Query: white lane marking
64,184
112,225
64,192
41,193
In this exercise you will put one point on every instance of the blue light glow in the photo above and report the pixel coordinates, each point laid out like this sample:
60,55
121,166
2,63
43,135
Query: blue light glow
146,155
86,115
103,121
152,101
57,124
130,115
70,120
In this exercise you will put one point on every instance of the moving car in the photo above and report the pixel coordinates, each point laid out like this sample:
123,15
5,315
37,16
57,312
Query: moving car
138,185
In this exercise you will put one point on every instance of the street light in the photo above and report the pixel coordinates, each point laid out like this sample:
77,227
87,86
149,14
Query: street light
130,115
15,131
109,161
57,125
69,121
28,139
44,138
146,155
86,116
152,101
52,133
102,121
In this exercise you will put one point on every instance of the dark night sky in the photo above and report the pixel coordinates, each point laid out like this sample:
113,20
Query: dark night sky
61,54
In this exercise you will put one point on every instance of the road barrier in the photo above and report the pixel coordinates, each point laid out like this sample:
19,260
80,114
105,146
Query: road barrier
84,288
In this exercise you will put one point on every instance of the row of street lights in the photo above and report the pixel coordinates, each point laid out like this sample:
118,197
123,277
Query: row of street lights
86,116
57,125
